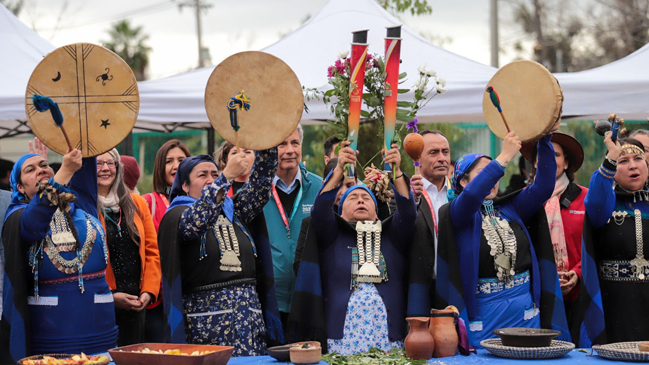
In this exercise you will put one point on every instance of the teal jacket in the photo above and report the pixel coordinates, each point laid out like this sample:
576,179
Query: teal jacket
282,246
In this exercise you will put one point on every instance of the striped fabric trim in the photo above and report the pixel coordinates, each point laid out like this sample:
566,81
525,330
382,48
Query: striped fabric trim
48,301
606,172
103,298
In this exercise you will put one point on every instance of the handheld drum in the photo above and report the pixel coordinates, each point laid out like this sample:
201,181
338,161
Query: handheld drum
269,88
528,95
96,92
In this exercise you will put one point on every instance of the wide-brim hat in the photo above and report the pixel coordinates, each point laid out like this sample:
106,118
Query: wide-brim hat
571,147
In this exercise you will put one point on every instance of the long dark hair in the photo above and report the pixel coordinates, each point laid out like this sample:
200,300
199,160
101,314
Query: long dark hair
159,181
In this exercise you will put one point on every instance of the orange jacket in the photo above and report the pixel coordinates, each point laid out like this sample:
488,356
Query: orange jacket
150,273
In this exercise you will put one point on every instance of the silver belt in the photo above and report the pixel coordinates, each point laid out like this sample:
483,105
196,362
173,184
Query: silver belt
494,285
621,270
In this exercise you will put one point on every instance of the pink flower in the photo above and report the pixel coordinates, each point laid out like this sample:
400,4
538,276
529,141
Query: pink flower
330,71
340,66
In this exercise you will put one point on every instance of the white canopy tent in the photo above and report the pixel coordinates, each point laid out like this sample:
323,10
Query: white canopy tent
620,87
313,47
22,50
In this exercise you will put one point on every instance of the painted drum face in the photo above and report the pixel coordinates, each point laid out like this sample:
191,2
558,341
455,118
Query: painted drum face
96,91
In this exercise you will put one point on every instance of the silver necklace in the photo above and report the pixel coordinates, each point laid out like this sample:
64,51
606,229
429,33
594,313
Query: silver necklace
228,243
502,241
639,262
368,234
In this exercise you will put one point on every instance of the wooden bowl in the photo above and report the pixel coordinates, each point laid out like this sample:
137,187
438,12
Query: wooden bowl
526,337
281,353
125,355
306,353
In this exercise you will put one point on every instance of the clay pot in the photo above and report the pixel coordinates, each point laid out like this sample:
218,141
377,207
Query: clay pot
442,328
419,343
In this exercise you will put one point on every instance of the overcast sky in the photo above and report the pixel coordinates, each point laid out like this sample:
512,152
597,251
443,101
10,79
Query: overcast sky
230,27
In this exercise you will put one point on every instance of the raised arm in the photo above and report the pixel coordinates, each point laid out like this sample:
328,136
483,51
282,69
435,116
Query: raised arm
404,219
254,195
600,199
203,213
478,188
532,198
35,220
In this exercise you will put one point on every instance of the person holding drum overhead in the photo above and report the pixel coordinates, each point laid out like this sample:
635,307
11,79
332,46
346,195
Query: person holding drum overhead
68,306
222,155
56,247
134,266
617,208
215,248
343,297
502,278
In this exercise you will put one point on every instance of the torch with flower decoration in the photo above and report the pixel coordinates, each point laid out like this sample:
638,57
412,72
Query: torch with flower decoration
392,60
357,79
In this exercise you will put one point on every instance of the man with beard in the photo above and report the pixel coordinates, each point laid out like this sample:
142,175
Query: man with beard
430,192
294,190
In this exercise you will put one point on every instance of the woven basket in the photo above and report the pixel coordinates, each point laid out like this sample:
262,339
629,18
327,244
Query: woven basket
624,351
556,349
56,356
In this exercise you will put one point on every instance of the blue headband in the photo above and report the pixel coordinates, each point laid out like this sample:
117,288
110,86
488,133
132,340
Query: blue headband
342,200
184,169
15,177
461,166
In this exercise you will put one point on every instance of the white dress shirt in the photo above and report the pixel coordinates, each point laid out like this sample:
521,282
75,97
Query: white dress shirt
438,198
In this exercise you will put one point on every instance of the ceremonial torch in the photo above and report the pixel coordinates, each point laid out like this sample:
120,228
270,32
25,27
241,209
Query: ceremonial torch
392,60
357,80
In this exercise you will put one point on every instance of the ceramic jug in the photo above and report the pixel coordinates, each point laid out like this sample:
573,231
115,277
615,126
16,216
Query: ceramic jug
442,328
419,343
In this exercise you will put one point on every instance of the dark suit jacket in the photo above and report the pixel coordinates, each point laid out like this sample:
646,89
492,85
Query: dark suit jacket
422,264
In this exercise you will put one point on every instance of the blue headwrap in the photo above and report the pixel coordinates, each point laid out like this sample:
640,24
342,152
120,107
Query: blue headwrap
18,199
461,166
342,200
184,169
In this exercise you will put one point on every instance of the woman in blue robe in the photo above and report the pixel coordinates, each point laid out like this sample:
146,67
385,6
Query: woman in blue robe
55,292
215,256
615,270
498,284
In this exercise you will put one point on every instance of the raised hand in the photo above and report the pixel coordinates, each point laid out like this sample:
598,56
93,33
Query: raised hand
238,165
511,146
38,148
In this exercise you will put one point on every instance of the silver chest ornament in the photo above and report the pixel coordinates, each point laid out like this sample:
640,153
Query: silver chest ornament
228,243
368,241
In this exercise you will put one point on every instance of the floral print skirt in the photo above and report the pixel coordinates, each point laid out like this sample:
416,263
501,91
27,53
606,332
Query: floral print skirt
230,316
366,324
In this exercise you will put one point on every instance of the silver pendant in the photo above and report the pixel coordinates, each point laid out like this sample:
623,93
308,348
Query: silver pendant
230,262
369,273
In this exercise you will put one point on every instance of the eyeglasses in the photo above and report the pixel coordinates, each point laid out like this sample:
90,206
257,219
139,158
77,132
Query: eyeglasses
110,163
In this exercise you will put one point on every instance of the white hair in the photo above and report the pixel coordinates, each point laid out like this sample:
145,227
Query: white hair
300,130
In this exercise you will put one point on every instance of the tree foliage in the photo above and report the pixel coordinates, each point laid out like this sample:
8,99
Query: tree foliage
416,7
129,43
14,6
566,37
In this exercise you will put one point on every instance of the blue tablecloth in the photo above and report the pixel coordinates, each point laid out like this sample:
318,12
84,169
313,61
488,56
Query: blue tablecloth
483,357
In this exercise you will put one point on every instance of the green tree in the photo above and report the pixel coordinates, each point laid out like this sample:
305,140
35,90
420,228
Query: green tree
416,7
129,43
14,6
